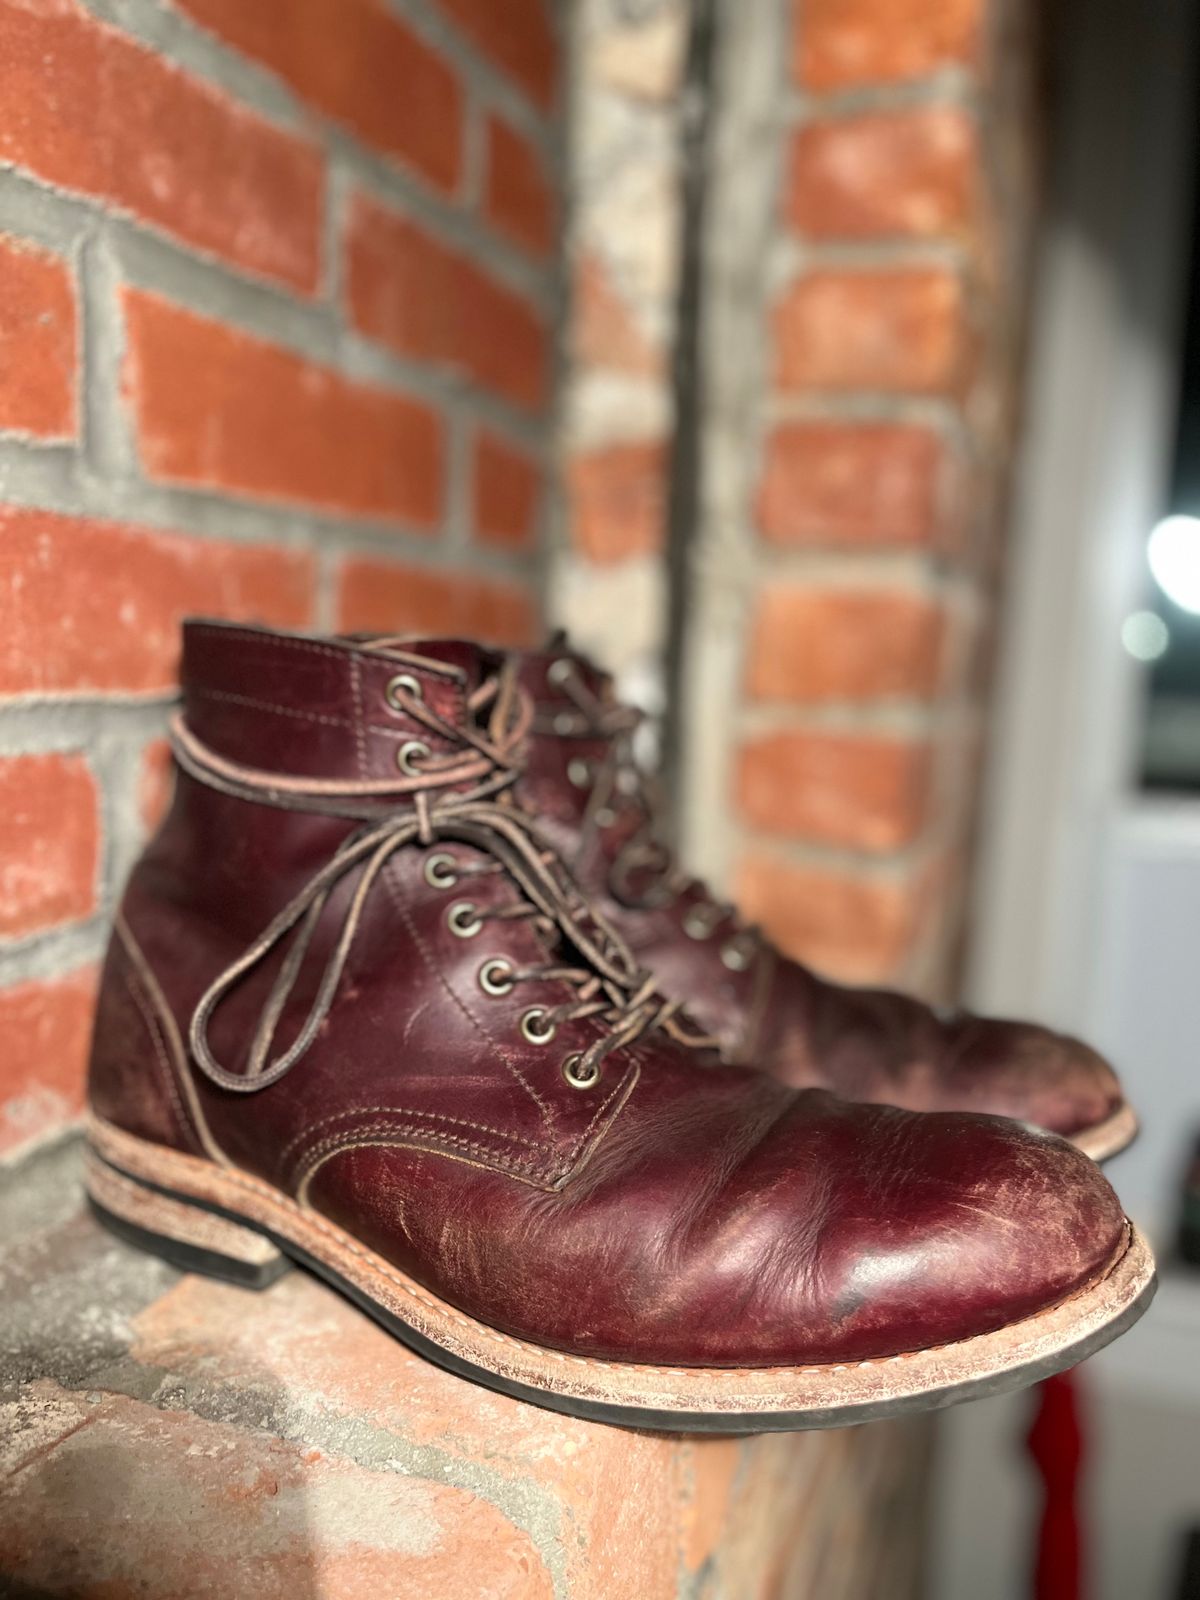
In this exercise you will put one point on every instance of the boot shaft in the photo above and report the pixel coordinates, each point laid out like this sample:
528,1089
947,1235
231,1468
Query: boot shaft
431,959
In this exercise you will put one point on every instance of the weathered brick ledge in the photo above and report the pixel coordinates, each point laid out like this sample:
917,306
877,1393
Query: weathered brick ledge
166,1437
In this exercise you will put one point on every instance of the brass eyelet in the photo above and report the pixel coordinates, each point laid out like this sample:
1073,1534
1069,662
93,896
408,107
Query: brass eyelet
579,772
735,957
565,724
463,919
698,923
559,672
410,685
530,1029
411,751
496,977
439,870
605,817
579,1076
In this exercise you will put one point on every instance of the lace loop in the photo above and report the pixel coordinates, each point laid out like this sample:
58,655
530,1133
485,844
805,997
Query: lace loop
609,985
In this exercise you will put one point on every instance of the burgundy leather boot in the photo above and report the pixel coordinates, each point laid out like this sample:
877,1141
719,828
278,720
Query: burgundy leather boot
355,1015
865,1044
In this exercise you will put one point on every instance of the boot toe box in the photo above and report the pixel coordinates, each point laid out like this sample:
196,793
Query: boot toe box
970,1224
1021,1070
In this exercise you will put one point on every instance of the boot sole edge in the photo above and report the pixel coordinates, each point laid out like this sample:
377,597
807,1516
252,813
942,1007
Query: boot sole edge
1107,1139
231,1225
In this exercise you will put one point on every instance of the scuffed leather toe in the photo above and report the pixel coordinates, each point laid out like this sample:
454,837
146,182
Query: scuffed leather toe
1021,1070
890,1049
966,1224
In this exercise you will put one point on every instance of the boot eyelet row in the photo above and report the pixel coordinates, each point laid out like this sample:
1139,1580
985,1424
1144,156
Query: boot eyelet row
439,870
408,754
463,919
534,1029
578,1075
406,683
495,977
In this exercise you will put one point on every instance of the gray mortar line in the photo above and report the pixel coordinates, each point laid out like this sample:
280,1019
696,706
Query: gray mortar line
186,45
458,484
52,480
40,214
54,953
949,85
108,450
207,286
488,84
456,227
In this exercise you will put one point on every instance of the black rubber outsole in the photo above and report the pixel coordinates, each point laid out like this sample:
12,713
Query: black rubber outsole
192,1258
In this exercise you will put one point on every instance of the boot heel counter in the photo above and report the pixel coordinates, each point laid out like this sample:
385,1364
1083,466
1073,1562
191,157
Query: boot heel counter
134,1070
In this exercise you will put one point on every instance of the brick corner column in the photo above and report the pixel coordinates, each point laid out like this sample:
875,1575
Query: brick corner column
873,198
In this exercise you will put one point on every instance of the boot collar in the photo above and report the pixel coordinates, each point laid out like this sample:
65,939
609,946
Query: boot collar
332,708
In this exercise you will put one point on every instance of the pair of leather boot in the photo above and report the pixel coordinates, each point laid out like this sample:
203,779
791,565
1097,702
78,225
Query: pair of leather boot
405,990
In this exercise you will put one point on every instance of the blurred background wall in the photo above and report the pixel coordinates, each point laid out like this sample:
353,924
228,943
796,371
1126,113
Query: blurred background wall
277,340
867,241
854,289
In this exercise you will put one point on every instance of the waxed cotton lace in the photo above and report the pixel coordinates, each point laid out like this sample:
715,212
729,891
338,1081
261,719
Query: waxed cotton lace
422,807
618,786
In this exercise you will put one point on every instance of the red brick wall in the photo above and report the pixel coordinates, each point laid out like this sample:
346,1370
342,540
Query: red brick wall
857,497
276,287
